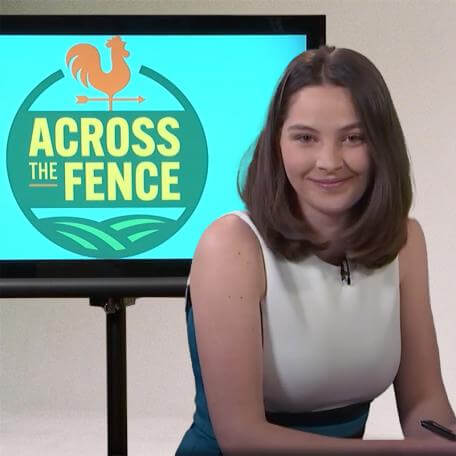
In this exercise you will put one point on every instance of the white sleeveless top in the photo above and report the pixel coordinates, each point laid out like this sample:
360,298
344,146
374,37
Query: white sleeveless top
327,344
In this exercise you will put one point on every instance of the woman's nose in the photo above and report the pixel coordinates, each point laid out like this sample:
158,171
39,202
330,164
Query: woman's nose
329,158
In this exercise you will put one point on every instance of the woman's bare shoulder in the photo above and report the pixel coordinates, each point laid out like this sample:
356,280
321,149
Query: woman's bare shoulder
414,247
231,247
234,224
228,231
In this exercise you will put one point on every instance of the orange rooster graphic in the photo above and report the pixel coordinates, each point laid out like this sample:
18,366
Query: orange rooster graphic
87,63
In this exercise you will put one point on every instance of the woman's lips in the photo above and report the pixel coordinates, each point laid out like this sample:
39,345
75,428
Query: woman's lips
330,184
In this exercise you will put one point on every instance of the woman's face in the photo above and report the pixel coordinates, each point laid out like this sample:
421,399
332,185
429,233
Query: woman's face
321,141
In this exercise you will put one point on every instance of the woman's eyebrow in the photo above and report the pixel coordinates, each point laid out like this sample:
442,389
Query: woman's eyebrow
306,127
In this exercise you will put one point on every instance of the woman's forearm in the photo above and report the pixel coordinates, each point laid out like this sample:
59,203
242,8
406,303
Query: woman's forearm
436,409
270,439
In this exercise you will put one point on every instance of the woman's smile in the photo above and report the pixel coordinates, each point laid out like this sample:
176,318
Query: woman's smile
330,185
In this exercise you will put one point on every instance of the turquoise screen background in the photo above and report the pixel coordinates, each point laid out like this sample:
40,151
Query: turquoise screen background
229,80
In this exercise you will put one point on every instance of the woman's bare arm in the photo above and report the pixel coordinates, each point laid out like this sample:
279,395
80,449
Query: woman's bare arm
419,388
227,284
265,439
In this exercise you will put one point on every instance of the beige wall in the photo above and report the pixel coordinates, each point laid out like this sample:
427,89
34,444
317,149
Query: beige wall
53,352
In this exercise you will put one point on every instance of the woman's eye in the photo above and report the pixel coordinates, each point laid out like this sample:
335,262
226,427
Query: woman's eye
304,138
355,138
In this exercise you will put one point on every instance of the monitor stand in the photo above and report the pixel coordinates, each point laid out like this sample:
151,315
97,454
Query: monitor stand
116,350
105,293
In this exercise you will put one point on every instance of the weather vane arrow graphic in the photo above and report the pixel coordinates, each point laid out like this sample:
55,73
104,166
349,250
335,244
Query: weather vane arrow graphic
80,99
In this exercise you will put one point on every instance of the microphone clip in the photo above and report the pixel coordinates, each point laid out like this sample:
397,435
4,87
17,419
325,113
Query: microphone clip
345,271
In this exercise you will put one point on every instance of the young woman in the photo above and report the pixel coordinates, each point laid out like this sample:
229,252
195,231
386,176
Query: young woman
304,308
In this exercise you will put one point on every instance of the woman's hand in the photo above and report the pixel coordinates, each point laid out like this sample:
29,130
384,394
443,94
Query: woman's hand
431,443
452,427
429,435
430,447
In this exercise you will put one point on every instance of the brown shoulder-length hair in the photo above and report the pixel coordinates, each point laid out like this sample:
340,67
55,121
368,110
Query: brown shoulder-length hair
378,221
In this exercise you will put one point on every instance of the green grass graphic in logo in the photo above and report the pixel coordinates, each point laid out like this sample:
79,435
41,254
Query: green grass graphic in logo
72,163
109,238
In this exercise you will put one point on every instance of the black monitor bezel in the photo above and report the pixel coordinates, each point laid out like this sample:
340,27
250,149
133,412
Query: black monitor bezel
129,277
314,25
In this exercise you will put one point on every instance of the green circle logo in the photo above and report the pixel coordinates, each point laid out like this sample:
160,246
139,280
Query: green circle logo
90,181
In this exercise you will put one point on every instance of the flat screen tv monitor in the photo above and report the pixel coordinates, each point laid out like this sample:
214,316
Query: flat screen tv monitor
121,138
